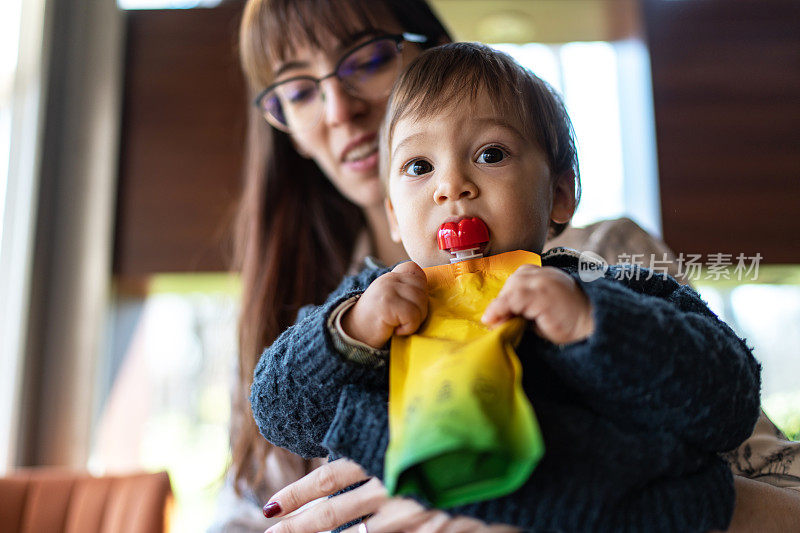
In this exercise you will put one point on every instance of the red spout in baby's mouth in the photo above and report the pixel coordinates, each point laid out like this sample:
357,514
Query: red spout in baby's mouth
464,238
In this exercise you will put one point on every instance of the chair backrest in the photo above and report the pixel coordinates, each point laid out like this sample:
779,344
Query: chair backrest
58,501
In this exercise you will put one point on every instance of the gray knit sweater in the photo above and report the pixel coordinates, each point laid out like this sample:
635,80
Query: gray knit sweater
633,417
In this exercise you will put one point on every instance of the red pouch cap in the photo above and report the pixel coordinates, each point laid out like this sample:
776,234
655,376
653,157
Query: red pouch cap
466,233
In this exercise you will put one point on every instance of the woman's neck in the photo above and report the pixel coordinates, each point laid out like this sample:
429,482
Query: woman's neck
388,251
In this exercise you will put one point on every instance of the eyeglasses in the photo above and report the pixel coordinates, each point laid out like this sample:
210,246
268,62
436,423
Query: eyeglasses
367,71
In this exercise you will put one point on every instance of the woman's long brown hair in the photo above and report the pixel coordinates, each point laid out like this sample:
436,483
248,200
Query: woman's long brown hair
294,233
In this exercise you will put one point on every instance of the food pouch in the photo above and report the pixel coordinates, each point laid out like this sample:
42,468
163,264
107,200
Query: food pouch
460,426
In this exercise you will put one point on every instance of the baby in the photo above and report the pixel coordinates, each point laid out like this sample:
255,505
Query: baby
636,384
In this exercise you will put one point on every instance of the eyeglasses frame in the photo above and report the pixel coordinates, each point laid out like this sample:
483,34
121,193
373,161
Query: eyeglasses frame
398,38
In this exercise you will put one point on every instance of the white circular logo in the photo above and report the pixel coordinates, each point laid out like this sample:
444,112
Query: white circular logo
591,266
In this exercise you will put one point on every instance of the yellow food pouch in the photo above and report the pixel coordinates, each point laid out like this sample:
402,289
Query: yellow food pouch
460,426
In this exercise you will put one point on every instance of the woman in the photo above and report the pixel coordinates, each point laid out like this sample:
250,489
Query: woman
312,200
312,196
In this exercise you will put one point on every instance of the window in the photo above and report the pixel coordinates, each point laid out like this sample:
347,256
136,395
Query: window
606,88
765,311
167,387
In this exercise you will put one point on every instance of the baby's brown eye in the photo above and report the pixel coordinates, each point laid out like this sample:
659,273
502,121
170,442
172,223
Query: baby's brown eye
491,155
418,167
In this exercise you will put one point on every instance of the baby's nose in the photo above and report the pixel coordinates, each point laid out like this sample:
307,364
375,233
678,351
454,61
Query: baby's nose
455,187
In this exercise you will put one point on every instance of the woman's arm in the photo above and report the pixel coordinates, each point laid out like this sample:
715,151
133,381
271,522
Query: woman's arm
299,379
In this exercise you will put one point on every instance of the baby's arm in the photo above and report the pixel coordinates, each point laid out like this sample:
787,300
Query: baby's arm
299,379
660,358
652,352
300,383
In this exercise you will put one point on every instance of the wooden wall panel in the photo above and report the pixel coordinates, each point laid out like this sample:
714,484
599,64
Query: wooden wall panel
726,83
182,141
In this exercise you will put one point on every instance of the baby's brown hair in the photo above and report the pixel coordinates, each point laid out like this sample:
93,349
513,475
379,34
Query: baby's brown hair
455,74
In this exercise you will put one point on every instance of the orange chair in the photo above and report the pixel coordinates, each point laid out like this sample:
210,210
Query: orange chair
50,500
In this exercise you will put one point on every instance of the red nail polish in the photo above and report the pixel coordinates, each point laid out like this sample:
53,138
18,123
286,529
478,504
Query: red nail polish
271,509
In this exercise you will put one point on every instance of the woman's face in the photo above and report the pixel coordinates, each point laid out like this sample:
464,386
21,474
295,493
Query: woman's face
344,143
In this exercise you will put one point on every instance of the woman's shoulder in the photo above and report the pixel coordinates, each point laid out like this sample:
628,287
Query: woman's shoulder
620,240
609,239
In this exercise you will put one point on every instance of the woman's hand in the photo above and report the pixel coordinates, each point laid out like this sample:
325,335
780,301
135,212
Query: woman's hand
548,297
395,303
388,514
764,508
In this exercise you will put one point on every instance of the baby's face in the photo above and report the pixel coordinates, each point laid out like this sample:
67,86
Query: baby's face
469,162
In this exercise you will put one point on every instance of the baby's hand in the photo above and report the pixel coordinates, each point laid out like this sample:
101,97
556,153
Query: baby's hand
559,309
395,303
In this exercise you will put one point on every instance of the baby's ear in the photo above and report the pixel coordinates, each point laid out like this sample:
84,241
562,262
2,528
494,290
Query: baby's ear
564,202
394,227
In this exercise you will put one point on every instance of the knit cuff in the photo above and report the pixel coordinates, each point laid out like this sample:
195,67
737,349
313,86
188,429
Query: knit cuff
360,429
351,349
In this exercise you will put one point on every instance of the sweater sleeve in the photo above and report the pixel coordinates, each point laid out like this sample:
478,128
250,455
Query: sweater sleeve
360,429
660,358
299,379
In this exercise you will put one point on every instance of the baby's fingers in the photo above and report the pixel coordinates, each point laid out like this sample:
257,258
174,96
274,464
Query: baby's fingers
410,273
524,303
497,312
410,267
410,311
514,299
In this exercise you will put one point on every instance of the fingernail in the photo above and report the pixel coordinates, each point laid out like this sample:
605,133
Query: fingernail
271,509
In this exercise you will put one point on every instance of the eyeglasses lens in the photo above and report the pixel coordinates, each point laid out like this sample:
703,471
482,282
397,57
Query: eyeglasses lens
370,71
294,103
367,72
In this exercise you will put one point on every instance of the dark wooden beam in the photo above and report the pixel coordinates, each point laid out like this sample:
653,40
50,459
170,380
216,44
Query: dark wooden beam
726,84
182,141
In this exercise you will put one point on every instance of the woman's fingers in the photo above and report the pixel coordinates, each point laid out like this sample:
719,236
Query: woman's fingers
334,512
324,481
395,514
407,516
